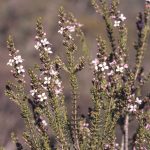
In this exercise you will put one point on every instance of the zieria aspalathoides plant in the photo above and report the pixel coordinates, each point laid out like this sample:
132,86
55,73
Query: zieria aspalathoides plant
115,92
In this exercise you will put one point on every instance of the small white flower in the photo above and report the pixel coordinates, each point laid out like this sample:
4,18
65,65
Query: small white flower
117,23
47,80
48,50
61,30
122,17
42,97
44,123
103,66
119,69
53,72
10,62
138,101
100,65
20,69
38,45
32,92
58,83
18,59
132,108
95,61
45,41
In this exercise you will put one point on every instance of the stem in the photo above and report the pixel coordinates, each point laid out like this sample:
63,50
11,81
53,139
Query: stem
126,127
122,142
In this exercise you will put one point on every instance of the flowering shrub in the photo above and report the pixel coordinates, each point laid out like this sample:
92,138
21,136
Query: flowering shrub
115,91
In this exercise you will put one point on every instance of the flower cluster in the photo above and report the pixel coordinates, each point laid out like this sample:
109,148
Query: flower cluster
118,19
48,83
84,129
69,26
52,82
43,44
109,67
15,61
133,103
38,96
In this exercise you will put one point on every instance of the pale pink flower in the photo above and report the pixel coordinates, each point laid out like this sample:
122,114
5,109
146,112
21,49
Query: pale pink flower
71,28
126,66
58,91
110,73
58,83
148,126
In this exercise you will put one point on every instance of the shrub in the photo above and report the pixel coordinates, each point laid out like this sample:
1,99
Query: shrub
115,92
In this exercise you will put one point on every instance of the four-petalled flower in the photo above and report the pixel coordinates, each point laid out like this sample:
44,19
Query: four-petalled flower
42,97
122,17
18,59
117,23
47,80
20,69
10,62
45,42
